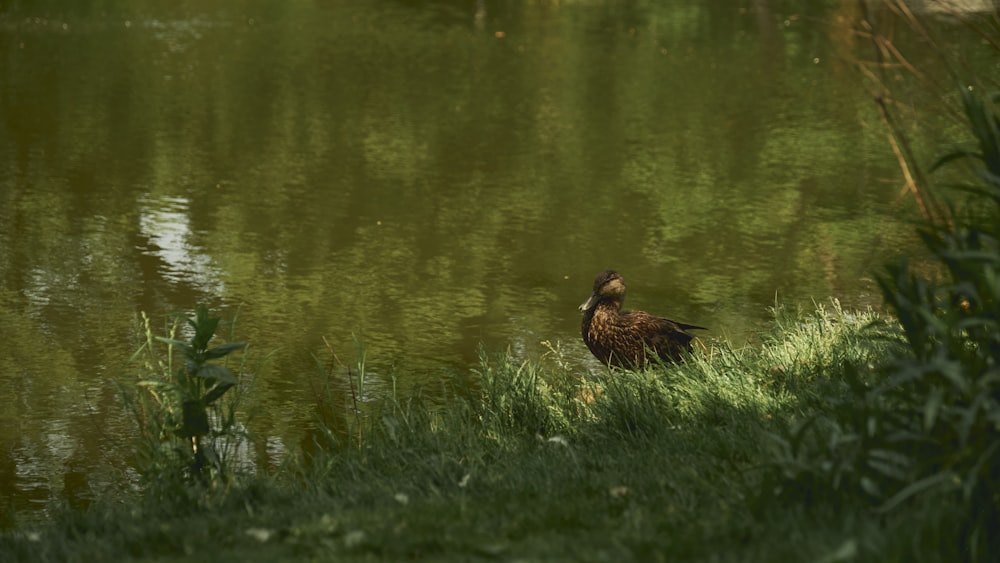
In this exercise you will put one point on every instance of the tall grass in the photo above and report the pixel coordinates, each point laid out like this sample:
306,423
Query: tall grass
533,462
517,399
585,460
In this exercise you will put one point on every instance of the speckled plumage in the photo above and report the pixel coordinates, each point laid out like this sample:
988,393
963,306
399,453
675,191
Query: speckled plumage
626,339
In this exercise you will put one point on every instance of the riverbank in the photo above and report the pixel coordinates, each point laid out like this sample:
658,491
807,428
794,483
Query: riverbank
671,464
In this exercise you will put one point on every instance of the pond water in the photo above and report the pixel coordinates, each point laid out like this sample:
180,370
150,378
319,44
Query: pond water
422,178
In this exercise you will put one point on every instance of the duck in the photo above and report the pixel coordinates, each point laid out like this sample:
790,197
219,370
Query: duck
629,339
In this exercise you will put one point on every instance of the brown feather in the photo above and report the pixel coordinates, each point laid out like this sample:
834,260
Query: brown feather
629,339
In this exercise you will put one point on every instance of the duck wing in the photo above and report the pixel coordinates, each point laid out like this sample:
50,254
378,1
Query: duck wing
669,339
651,324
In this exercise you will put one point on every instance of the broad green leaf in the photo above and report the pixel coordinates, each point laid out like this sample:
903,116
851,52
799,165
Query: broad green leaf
970,415
931,407
889,463
916,488
951,371
204,328
848,551
985,459
216,391
870,487
952,156
217,373
224,349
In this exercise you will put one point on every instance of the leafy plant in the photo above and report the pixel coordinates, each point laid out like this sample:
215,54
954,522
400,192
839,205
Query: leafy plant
946,397
180,408
931,425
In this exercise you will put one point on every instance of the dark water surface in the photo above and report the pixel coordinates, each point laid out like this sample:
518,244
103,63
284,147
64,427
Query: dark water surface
422,177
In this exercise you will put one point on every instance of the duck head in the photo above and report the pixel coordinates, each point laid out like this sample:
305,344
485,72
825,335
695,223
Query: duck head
609,285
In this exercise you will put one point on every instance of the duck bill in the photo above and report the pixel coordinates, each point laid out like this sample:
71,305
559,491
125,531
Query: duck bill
589,303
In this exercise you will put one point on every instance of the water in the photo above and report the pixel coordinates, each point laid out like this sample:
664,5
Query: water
423,178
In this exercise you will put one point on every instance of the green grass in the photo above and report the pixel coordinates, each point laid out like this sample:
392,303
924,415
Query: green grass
540,463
